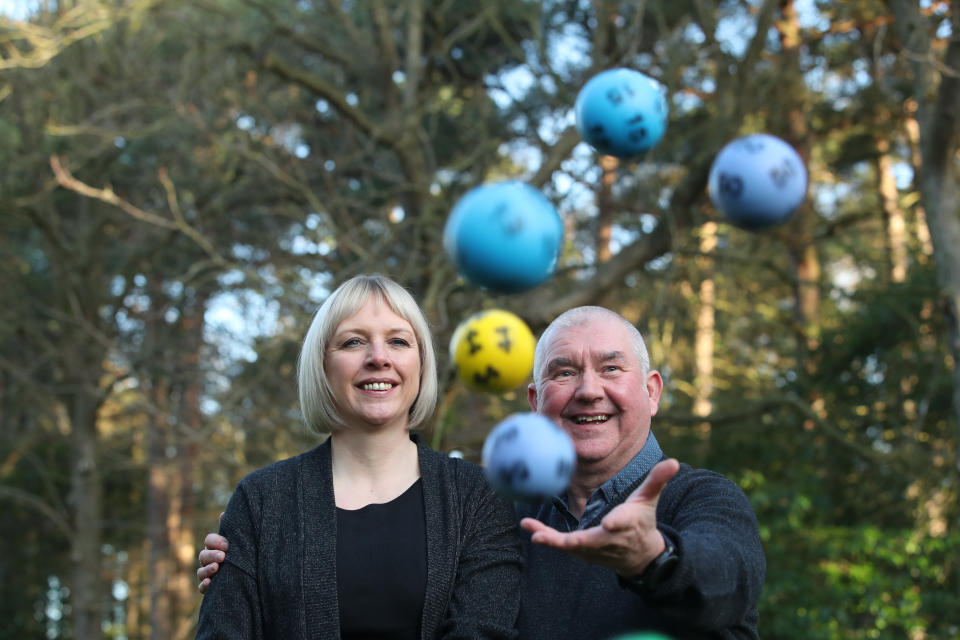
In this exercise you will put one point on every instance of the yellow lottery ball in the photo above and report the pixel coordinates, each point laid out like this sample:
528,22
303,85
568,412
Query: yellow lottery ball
493,351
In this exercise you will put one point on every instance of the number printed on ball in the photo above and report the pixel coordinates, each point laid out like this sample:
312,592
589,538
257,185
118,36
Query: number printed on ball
527,456
757,181
504,236
621,112
492,351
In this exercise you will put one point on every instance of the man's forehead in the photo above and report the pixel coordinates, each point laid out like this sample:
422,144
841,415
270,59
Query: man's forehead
563,352
601,338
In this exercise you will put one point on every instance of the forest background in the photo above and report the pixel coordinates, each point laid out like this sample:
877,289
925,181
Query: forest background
183,181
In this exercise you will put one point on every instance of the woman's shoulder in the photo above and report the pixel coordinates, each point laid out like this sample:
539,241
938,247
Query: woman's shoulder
284,471
447,464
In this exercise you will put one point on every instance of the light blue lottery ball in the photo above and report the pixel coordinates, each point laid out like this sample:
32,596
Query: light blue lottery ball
527,456
504,236
757,181
621,112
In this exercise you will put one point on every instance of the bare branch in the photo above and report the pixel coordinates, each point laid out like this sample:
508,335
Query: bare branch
331,94
66,180
44,43
37,504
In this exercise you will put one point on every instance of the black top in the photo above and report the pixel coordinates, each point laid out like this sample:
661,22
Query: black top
382,568
279,580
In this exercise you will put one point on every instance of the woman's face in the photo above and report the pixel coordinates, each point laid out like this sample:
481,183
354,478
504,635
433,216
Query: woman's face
373,365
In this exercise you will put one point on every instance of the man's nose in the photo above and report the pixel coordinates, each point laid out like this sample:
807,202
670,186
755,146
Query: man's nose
589,387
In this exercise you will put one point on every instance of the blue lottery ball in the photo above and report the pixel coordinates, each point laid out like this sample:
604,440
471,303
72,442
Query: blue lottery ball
527,456
757,181
504,236
621,112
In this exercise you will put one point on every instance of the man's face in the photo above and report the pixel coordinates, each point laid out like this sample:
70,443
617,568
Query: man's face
594,388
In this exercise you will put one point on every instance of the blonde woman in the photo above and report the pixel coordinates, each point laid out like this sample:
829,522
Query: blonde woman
371,534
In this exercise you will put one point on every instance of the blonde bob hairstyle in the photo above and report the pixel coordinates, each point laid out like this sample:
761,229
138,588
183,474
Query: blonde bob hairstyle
317,401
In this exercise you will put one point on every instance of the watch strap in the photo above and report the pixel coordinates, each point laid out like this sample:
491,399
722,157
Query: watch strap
655,573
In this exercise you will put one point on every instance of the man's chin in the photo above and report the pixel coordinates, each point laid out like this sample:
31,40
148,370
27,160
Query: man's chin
590,451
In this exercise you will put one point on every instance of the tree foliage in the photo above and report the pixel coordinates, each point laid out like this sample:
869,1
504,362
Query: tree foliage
185,181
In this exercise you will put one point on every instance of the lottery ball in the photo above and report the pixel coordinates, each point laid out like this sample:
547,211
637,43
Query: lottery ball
527,456
492,351
757,181
621,112
504,236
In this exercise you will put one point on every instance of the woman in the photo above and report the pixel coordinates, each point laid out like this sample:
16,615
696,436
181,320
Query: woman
372,534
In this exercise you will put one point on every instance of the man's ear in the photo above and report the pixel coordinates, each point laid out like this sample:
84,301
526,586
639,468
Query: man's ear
532,396
654,389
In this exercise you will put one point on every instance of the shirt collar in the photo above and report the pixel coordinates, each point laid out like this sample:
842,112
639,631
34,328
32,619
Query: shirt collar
625,481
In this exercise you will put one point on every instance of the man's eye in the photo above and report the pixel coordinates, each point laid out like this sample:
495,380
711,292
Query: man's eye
564,373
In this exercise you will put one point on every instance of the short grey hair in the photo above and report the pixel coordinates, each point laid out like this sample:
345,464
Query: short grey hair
317,402
580,316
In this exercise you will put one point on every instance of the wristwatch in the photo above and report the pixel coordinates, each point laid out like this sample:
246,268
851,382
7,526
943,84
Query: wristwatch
656,572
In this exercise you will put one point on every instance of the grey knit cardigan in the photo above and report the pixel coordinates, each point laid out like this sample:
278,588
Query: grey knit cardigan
279,578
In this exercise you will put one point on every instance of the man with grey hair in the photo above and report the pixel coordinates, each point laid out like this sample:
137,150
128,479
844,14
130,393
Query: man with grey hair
639,542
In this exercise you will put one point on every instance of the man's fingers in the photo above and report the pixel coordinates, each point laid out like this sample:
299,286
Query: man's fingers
550,537
532,525
543,534
623,517
216,541
213,553
209,556
206,571
632,511
656,480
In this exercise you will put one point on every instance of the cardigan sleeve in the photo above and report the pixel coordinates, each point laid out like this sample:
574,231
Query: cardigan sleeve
717,581
231,608
486,593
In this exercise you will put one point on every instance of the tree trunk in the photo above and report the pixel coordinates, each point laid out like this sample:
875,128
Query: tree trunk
892,213
938,116
798,234
605,204
921,228
87,499
706,320
158,513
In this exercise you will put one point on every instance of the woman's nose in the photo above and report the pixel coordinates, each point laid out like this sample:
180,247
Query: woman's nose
377,356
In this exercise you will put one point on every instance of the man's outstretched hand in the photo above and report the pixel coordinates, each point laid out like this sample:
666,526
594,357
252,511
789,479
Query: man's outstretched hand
627,539
213,553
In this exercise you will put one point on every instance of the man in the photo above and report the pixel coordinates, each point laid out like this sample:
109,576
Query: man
639,541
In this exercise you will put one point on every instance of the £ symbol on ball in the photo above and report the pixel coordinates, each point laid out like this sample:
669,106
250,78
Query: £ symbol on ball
492,351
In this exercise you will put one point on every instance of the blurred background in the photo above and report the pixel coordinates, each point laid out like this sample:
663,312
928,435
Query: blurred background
182,182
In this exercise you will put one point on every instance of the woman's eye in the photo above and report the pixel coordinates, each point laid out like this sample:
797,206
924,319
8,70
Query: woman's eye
400,342
351,342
